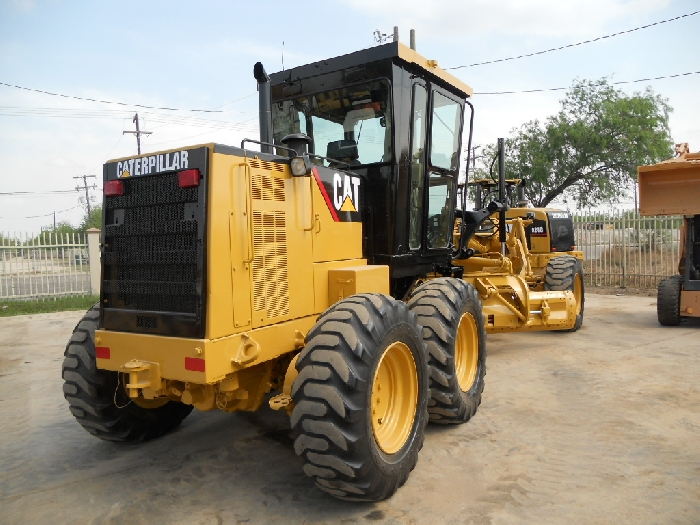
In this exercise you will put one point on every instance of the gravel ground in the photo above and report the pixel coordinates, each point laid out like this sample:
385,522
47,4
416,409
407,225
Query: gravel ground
598,426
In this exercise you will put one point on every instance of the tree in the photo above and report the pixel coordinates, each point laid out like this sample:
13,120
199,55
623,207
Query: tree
62,227
591,148
92,220
7,241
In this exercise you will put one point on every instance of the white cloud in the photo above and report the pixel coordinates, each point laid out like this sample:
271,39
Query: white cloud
24,5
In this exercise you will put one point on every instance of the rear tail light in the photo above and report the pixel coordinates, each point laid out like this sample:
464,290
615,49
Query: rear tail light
188,178
195,364
114,188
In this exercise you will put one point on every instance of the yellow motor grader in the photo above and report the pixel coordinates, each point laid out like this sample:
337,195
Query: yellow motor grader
672,187
320,269
549,232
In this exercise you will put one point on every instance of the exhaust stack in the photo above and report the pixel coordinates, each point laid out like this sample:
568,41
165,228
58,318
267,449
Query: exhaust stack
264,107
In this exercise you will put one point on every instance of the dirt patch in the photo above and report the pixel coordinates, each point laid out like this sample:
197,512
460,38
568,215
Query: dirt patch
619,291
597,426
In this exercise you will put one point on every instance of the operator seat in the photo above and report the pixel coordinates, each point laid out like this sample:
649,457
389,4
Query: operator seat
343,150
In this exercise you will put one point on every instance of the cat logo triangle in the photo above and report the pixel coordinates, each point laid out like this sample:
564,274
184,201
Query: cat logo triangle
348,205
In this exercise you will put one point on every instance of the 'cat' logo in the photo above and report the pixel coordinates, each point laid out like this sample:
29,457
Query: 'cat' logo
346,192
342,193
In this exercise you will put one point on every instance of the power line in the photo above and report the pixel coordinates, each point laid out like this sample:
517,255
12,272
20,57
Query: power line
234,101
24,111
45,215
577,43
563,88
108,101
37,193
184,138
164,119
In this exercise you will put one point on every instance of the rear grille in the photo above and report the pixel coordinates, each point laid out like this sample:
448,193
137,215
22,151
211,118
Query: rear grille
152,248
146,321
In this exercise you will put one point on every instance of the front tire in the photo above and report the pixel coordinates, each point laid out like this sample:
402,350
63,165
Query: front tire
563,273
668,301
98,399
449,310
361,398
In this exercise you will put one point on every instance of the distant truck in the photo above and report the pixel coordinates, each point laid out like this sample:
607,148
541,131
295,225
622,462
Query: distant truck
672,187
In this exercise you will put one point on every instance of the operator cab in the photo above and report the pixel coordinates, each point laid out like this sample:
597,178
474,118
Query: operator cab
394,118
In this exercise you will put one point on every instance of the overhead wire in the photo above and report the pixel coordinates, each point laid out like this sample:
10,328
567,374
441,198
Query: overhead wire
647,26
98,113
10,111
35,193
44,215
108,101
563,88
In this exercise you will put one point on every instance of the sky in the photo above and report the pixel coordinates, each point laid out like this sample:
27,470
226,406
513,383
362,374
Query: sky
200,55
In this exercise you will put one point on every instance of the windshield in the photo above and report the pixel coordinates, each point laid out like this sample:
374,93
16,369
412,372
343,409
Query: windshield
351,125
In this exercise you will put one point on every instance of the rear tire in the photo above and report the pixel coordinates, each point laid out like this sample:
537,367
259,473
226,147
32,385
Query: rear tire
98,399
563,273
449,310
668,301
361,398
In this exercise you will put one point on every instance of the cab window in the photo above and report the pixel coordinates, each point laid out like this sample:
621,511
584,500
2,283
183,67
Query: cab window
418,131
351,125
445,132
440,197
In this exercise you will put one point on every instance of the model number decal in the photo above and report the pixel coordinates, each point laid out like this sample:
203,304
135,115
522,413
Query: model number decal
538,228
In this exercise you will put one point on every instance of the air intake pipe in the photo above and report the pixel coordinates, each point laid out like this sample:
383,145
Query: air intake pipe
264,107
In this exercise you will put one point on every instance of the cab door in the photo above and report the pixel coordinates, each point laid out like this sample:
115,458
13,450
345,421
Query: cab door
418,159
442,161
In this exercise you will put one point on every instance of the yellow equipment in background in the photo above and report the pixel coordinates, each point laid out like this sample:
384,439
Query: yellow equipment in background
672,187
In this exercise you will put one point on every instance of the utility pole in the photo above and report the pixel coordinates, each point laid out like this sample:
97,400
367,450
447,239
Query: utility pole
138,133
86,188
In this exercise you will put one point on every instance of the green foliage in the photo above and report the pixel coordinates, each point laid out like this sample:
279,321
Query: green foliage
7,241
9,308
590,149
92,220
62,227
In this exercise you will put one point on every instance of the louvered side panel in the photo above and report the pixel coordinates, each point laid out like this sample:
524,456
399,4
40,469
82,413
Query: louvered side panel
270,263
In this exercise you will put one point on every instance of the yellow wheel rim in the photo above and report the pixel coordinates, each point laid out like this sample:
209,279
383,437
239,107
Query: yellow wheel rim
466,352
578,293
394,398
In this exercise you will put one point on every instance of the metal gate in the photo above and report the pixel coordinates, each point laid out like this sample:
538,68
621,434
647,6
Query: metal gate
624,249
44,265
